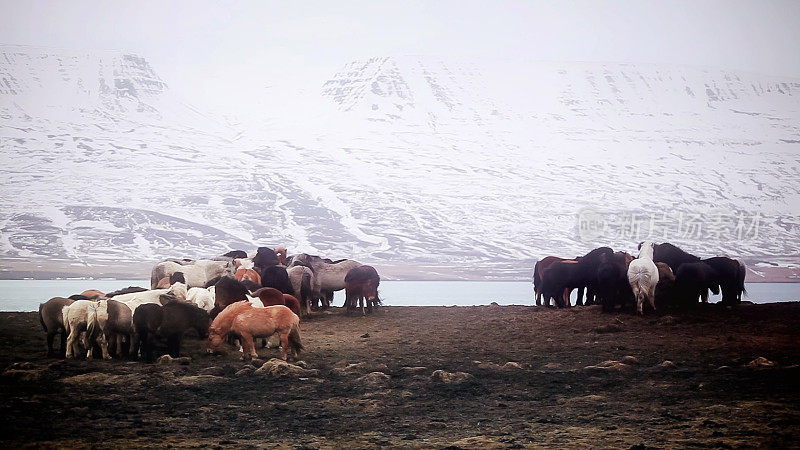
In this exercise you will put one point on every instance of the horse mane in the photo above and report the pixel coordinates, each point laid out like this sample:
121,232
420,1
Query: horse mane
127,290
304,264
80,297
251,286
214,281
235,254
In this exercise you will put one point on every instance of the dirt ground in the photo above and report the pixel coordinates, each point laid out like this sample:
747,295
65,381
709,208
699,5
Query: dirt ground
537,377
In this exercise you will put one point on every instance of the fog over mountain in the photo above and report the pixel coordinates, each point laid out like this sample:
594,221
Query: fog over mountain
426,166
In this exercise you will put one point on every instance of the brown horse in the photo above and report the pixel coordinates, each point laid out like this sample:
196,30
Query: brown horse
93,294
170,321
280,253
248,274
248,323
52,319
361,283
227,291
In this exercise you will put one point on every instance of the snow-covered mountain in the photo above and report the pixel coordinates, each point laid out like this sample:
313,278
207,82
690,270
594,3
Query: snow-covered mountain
423,166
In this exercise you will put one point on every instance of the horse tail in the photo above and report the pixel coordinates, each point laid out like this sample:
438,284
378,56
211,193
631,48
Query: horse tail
41,319
92,326
305,287
639,279
742,275
294,337
65,318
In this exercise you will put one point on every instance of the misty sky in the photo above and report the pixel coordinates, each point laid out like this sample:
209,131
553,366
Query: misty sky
218,51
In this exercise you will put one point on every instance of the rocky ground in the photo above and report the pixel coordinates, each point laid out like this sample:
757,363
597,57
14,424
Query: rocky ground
431,377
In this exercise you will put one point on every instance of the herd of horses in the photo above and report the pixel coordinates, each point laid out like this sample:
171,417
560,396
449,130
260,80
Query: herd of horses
235,297
239,297
663,276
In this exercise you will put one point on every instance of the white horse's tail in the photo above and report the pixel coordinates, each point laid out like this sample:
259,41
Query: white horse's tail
92,323
639,278
65,318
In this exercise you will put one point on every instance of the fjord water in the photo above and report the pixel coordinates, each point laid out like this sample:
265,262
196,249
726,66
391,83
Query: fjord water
25,295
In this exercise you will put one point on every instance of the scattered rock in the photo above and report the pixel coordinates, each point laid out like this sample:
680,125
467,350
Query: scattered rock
248,370
481,442
375,380
277,368
667,320
25,365
359,369
220,371
257,362
761,362
552,365
609,366
610,328
414,370
455,378
97,379
507,367
166,359
21,375
665,365
592,398
198,380
630,359
365,335
721,368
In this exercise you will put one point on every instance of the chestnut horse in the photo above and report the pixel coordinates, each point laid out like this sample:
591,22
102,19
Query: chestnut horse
361,283
248,323
248,274
270,297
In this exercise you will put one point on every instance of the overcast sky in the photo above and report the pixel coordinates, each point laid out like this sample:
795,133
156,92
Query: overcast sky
223,46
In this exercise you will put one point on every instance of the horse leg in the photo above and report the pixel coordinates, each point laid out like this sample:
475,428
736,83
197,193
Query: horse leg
284,344
137,343
579,300
652,297
151,345
104,344
63,348
704,295
51,335
248,346
361,300
173,346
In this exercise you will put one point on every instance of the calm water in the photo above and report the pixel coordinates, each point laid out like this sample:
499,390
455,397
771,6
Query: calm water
25,295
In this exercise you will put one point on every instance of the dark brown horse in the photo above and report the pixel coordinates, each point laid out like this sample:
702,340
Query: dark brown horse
542,265
671,255
52,320
170,321
361,283
227,291
730,276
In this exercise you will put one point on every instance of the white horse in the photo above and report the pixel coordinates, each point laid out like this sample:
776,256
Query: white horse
197,273
305,284
76,319
201,297
643,277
